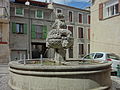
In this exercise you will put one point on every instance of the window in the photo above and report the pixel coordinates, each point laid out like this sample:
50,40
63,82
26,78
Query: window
59,11
88,34
81,49
88,48
111,8
39,32
39,14
80,18
71,52
88,19
19,28
71,29
80,32
90,56
70,16
98,55
19,11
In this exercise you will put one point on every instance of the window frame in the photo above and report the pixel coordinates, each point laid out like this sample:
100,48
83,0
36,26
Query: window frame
19,14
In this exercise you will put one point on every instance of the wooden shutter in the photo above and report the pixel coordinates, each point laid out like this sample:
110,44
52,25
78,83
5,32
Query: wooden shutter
25,28
100,11
119,6
44,32
33,34
13,27
39,13
88,19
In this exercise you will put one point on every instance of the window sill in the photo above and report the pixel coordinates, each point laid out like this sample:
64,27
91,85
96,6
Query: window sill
110,17
19,15
19,33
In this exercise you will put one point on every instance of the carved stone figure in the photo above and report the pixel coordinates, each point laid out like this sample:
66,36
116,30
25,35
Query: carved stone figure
59,38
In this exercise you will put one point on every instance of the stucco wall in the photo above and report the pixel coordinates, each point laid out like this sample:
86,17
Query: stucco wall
105,34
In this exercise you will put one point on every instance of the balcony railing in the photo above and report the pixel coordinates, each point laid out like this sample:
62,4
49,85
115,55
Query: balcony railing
4,15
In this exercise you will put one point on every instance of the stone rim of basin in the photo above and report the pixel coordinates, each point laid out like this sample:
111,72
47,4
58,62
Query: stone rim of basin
18,65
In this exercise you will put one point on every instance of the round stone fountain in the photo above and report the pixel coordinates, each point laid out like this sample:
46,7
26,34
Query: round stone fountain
59,74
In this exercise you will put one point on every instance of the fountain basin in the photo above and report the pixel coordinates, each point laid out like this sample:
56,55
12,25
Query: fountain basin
63,77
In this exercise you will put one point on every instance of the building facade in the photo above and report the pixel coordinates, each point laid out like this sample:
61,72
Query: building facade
105,28
78,22
29,25
4,31
28,29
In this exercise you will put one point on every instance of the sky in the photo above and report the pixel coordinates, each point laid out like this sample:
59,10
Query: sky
75,3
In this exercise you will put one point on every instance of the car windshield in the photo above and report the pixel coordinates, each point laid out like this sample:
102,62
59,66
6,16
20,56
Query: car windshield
90,56
113,56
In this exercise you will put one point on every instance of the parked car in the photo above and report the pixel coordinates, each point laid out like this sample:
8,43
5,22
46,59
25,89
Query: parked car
104,56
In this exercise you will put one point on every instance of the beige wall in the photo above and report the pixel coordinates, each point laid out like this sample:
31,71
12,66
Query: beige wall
4,29
4,45
105,34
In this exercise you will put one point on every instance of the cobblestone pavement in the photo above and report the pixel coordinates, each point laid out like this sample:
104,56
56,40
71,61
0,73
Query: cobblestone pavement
4,82
4,77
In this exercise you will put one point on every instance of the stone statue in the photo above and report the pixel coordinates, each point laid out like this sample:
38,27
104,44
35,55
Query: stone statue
59,38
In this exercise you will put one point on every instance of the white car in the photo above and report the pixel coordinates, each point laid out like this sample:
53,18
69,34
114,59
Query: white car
104,56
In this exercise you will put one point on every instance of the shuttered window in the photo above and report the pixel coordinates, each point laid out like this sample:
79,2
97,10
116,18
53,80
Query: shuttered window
19,28
39,32
39,14
19,11
100,11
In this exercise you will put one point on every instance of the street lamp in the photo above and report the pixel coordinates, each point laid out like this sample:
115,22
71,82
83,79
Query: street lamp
27,3
29,36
